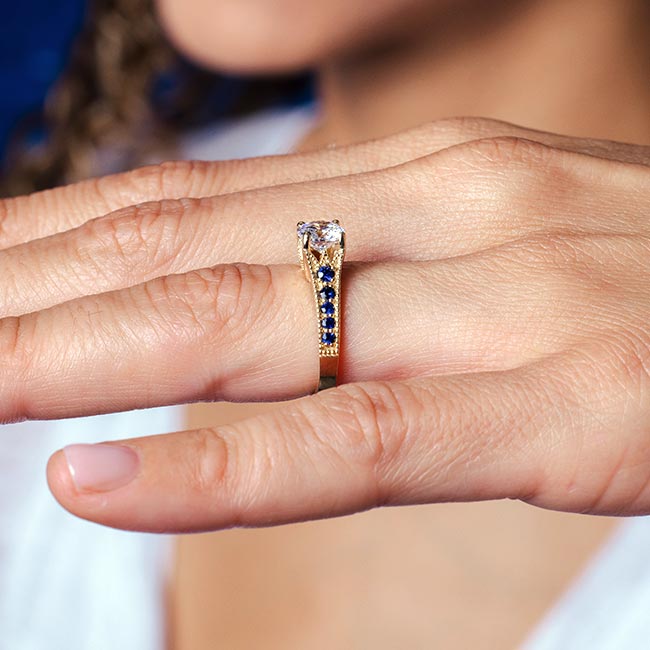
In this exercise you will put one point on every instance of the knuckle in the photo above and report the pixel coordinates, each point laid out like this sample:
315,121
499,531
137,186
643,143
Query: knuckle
157,181
609,378
461,128
225,299
508,176
119,233
609,375
553,254
176,179
169,179
514,167
8,207
372,423
12,340
143,238
210,460
508,151
628,352
17,342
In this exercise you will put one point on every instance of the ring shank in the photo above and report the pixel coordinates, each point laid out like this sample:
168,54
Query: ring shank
328,372
321,248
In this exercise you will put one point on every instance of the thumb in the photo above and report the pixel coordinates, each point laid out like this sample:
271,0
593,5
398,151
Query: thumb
343,450
526,433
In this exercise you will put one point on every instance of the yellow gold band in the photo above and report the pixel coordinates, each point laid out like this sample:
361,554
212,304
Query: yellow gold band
321,248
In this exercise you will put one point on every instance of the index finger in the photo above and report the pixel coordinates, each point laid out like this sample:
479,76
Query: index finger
46,213
49,212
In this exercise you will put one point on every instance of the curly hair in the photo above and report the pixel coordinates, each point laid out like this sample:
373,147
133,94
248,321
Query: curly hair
121,102
100,106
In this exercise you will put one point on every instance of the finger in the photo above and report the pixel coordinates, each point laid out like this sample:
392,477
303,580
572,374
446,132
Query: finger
539,434
45,213
456,202
248,332
341,451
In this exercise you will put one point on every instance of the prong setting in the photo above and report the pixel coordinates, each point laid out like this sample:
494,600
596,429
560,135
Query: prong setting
321,247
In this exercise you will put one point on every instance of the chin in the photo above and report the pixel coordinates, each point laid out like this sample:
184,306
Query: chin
244,37
278,36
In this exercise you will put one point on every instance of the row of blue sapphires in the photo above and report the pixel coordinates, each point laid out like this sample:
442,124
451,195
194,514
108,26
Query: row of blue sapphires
326,294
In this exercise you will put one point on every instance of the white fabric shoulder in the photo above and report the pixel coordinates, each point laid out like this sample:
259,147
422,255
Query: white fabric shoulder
267,133
66,583
608,606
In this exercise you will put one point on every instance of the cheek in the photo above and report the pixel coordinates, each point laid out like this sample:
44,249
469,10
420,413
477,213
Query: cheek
275,35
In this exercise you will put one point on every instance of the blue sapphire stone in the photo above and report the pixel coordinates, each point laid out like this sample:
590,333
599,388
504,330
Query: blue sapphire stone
328,323
328,338
327,308
327,293
326,273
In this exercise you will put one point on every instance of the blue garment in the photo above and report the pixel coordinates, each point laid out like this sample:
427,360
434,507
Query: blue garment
35,45
35,41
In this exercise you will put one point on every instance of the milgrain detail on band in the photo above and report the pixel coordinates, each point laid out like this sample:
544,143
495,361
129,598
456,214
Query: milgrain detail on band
321,247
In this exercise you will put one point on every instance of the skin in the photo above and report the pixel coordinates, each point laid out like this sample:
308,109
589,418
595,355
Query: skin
553,307
283,35
519,369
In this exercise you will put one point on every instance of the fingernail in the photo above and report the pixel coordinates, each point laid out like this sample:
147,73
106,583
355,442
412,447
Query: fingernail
101,467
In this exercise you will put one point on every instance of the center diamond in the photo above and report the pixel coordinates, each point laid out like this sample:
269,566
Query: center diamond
322,234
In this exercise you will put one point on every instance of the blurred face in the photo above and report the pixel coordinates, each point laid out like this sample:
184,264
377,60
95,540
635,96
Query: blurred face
280,35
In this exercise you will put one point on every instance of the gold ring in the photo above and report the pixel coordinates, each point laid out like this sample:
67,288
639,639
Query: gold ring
321,246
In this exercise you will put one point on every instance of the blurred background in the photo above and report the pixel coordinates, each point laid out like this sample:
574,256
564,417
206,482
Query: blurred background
90,88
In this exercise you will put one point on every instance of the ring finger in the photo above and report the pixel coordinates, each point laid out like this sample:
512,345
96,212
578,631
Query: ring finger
248,332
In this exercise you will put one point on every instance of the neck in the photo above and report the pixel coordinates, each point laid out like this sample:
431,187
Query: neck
567,66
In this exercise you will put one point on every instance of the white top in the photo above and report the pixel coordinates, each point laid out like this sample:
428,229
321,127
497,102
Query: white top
608,606
68,584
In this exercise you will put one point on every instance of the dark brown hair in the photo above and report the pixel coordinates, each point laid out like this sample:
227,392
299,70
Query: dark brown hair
103,114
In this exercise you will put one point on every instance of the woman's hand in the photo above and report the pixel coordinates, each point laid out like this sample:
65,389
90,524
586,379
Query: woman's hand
496,324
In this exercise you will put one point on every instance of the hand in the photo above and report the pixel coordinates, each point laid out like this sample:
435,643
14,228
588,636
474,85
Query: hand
496,337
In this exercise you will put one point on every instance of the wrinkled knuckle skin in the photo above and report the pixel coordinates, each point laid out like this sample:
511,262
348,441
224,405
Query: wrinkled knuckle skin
373,423
506,152
612,373
524,166
628,353
7,208
12,343
139,239
225,300
612,398
118,234
156,181
210,457
178,178
573,262
17,350
462,128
